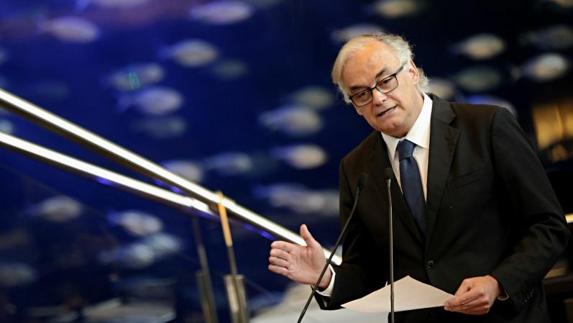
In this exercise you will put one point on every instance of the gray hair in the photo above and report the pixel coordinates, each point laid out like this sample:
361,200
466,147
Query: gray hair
400,46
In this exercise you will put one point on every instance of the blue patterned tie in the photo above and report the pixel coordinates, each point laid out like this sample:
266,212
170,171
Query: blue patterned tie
411,183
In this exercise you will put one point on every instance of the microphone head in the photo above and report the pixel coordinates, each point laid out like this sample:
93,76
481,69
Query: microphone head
362,180
388,173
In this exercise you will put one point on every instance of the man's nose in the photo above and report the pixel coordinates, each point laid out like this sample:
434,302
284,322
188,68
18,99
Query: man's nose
378,96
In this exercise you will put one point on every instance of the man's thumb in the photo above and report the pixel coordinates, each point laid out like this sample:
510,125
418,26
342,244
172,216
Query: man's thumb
305,234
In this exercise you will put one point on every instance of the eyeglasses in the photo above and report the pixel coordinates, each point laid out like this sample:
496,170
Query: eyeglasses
385,85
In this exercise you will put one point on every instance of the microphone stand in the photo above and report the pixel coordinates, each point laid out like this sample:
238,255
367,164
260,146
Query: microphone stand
361,183
388,175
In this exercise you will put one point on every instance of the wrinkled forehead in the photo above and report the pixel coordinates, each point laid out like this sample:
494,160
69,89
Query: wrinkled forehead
381,51
366,62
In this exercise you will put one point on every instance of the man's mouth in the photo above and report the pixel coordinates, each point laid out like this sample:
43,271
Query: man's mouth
385,111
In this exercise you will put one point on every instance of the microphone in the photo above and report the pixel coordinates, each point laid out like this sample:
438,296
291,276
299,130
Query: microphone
388,173
362,180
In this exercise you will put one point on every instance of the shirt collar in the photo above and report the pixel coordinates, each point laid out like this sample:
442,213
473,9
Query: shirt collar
418,134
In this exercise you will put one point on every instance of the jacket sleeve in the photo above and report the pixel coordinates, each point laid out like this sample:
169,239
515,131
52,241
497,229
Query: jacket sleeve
541,230
360,272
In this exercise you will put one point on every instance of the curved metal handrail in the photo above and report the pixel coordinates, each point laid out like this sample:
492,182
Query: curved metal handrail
132,161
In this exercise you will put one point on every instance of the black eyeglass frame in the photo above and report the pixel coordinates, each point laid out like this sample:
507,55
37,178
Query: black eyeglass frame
376,86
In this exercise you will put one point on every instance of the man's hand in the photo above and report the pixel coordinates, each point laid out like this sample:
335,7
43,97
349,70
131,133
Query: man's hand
475,296
301,264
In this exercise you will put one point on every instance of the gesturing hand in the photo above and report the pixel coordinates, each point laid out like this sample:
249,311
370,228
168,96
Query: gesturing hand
475,296
301,264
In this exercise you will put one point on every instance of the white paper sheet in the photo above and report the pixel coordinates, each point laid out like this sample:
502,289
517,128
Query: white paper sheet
409,294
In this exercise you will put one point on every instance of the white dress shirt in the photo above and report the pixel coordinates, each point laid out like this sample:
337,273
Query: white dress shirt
420,135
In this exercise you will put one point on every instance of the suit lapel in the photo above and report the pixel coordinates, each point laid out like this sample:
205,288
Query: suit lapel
378,161
443,141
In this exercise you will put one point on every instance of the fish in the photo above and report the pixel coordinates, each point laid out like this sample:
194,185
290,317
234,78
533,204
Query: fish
301,156
117,3
442,87
135,256
556,37
186,169
293,120
315,97
160,127
137,223
345,34
163,244
230,69
545,67
229,163
6,126
153,101
58,209
142,253
478,78
71,29
191,53
397,8
135,76
299,199
223,12
480,46
16,274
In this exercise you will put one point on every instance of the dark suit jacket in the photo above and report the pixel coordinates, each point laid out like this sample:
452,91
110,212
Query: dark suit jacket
490,210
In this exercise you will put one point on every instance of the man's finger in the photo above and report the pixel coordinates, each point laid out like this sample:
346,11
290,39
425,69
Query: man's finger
308,238
461,300
286,246
278,262
279,253
465,286
466,298
475,310
477,305
466,304
279,270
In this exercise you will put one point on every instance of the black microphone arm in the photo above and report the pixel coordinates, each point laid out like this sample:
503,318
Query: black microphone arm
362,180
388,173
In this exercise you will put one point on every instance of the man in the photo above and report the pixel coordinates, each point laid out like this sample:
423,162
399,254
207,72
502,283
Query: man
474,212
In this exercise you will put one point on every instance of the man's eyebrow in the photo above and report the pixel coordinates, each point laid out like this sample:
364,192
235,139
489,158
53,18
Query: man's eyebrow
357,87
382,71
376,77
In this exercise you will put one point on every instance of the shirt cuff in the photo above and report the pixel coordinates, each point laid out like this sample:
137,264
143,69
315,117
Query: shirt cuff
503,296
327,292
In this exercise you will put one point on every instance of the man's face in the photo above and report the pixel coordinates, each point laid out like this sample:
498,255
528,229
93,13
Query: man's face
395,112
